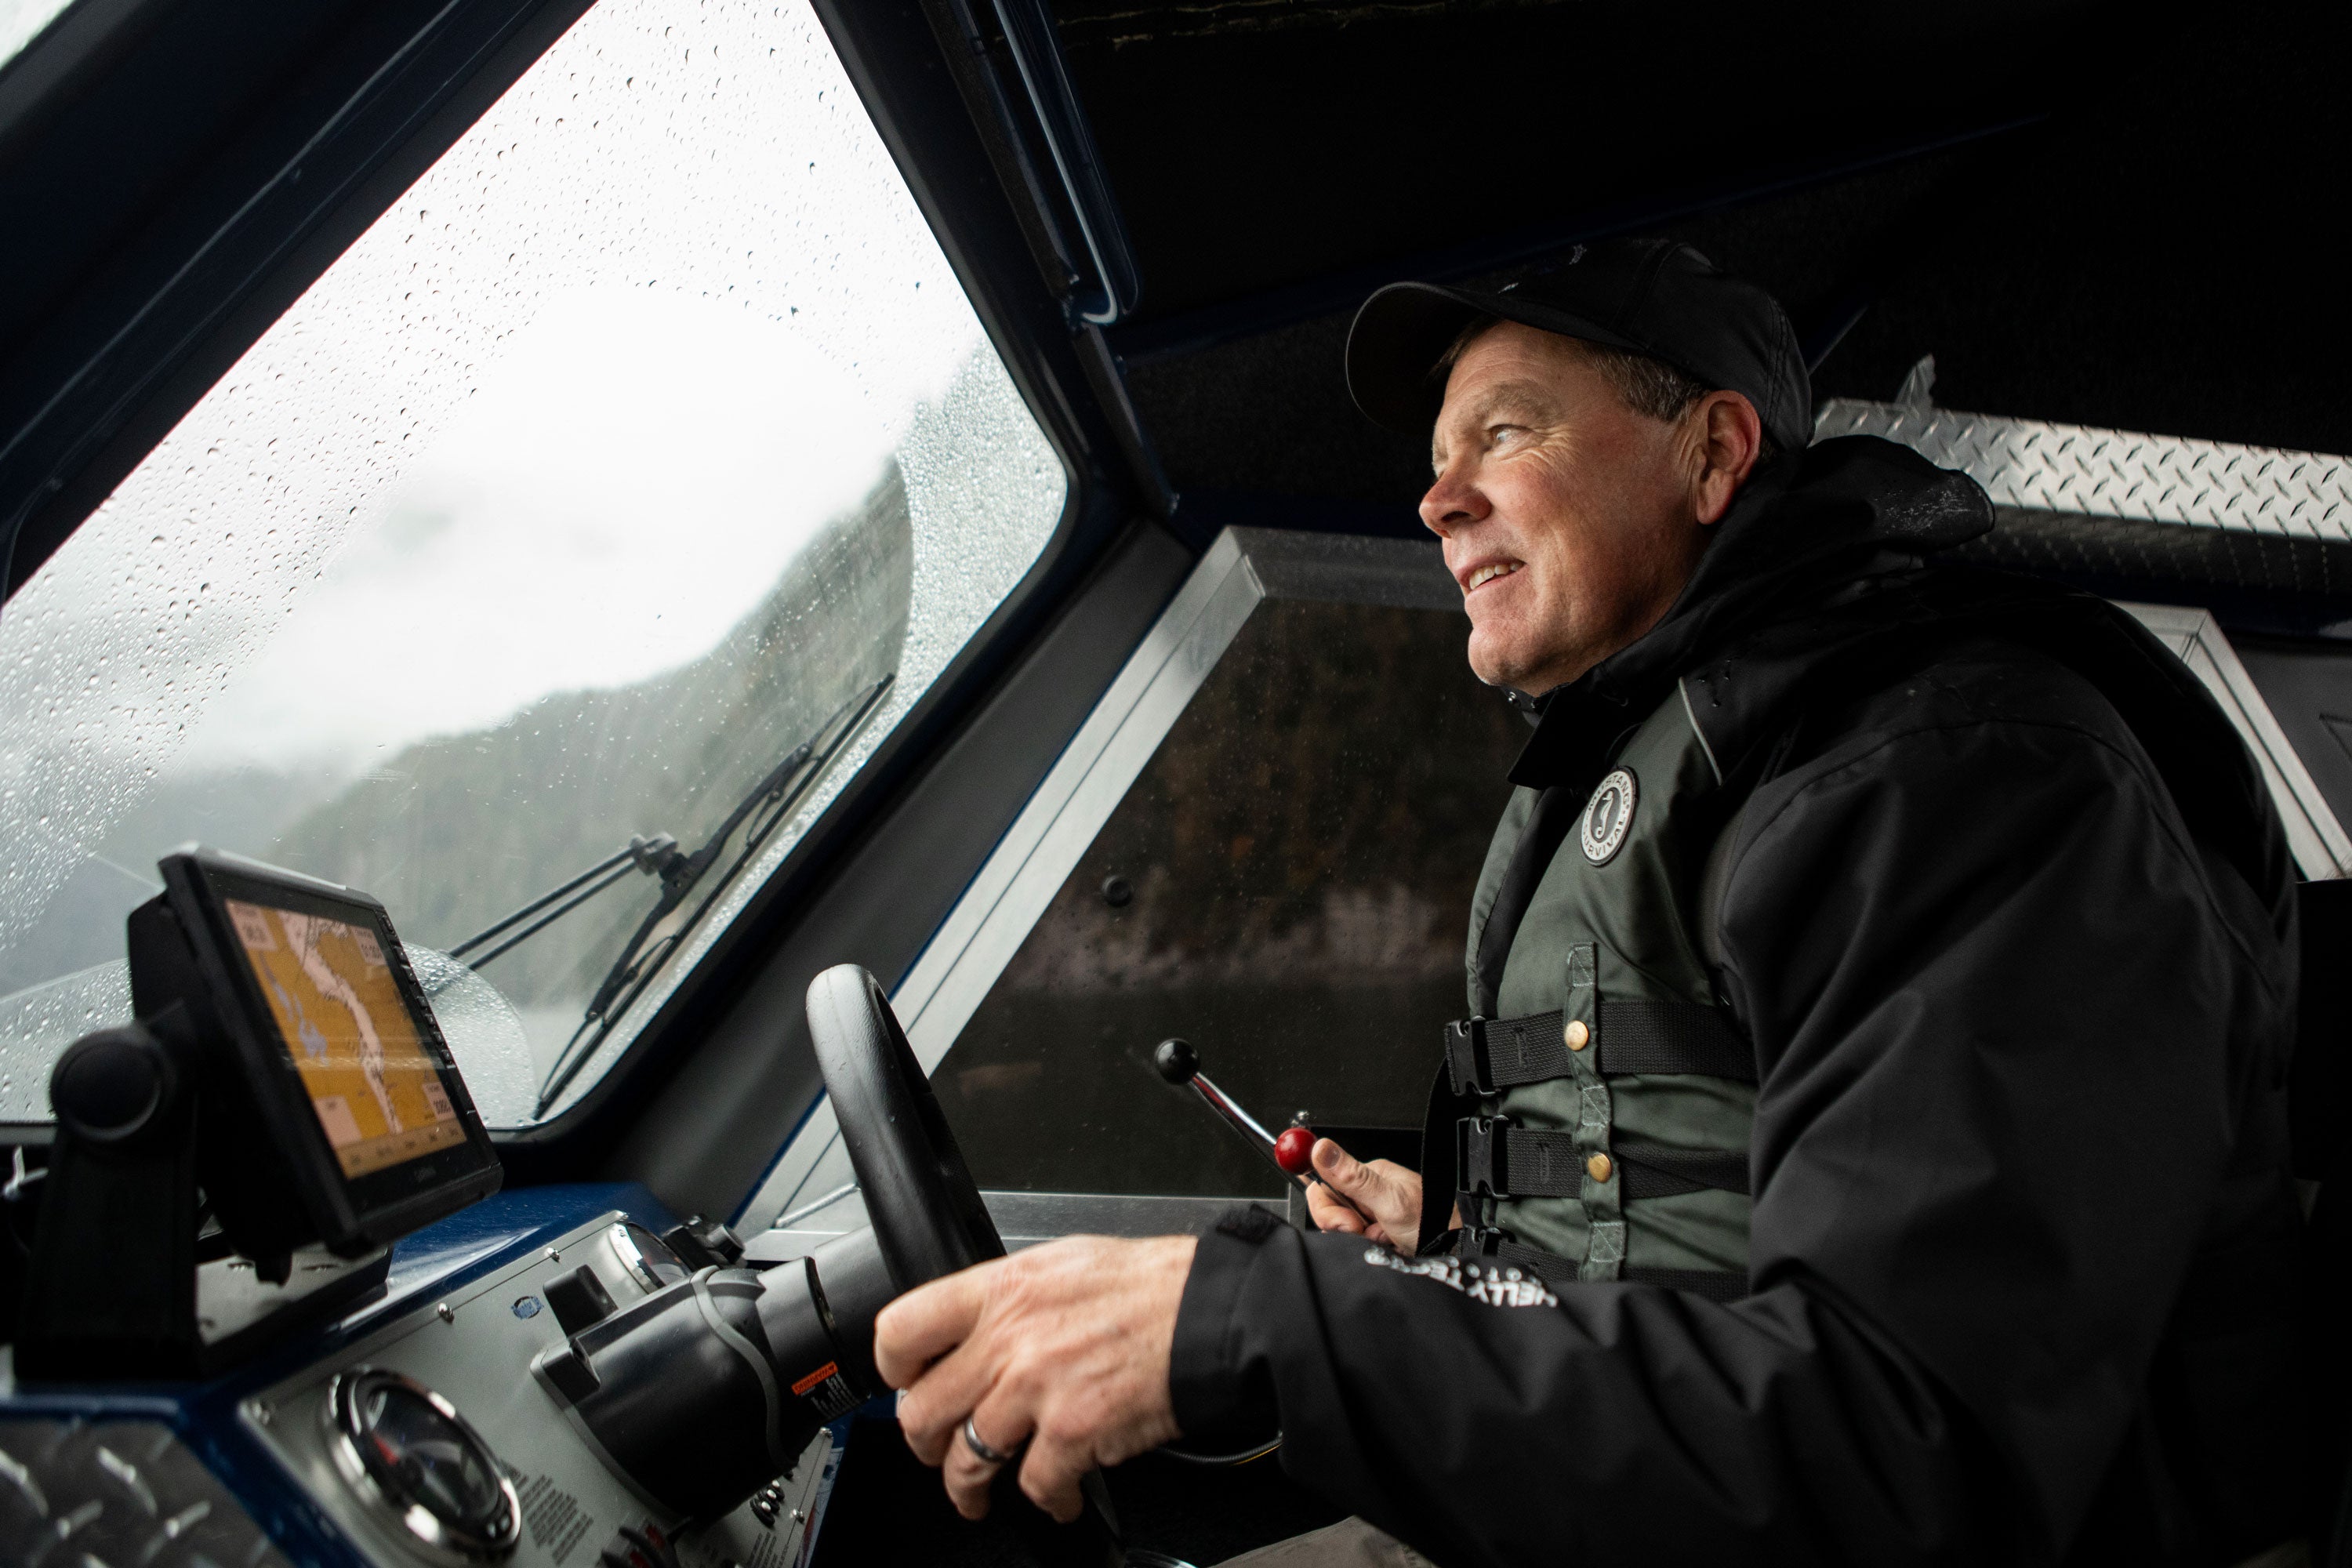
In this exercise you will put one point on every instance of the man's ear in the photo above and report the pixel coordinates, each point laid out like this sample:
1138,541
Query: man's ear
1729,434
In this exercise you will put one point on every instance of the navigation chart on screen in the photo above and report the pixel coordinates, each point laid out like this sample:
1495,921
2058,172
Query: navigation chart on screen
368,1073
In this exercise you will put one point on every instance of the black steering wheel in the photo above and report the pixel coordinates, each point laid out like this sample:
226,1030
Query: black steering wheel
927,1214
928,1219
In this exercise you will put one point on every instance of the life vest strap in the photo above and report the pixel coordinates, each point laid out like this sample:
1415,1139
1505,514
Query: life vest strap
1634,1035
1495,1159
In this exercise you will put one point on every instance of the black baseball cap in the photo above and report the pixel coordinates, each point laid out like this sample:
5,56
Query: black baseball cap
1649,297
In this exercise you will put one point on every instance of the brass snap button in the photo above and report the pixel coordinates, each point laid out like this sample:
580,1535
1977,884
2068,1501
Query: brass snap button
1576,1035
1599,1167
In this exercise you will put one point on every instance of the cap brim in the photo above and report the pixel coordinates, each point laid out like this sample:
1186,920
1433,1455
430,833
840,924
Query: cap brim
1392,349
1395,341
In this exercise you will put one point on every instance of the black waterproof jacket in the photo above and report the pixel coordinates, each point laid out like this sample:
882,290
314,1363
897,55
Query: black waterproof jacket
2008,922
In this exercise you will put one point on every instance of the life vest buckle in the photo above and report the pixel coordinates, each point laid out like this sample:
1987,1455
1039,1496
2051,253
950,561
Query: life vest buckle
1467,1066
1481,1241
1478,1155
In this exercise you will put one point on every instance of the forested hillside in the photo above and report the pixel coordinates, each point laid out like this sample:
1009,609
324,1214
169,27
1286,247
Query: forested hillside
456,831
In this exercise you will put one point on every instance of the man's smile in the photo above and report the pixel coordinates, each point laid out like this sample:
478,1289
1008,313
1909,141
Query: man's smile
1487,572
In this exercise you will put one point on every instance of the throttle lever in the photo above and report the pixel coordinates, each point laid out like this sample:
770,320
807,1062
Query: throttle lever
1179,1063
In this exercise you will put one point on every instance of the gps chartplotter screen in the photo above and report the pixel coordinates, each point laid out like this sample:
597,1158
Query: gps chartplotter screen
339,1115
370,1076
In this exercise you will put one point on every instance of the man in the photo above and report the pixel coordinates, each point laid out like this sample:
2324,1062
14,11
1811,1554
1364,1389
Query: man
1869,1139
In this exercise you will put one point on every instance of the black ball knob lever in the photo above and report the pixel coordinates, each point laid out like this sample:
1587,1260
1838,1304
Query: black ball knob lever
1180,1064
1176,1061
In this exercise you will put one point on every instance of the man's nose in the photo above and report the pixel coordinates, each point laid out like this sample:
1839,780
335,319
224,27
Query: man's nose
1453,502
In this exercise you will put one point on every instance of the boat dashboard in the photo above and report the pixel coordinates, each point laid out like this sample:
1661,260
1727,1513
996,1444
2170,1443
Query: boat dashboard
412,1430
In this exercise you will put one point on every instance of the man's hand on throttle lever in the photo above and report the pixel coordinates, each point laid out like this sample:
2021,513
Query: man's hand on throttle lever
1382,1188
1064,1347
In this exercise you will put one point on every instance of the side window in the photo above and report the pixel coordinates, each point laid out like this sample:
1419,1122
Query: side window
571,542
1286,883
21,21
2309,687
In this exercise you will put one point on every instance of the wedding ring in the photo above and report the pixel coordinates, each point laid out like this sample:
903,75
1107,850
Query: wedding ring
986,1454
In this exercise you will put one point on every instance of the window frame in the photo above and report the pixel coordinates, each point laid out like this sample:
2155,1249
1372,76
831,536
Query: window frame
322,151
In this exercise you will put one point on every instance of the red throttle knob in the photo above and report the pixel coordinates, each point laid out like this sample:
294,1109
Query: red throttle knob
1292,1149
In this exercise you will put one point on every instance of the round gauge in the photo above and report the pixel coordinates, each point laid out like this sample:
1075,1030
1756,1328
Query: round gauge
406,1450
644,1256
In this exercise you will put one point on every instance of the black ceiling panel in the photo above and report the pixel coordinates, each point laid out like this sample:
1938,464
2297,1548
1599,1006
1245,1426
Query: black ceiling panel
1255,143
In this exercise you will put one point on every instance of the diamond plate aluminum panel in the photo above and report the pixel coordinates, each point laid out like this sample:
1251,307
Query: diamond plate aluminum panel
2085,471
123,1494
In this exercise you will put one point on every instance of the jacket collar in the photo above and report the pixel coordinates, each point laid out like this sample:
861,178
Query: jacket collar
1815,529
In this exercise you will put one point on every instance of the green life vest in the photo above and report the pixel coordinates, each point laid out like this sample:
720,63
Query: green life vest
1613,1093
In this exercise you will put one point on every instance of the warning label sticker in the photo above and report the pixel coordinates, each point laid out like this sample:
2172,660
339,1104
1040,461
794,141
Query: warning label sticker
827,1390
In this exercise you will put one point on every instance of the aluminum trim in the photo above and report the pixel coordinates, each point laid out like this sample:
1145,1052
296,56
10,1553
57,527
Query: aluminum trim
2083,471
947,984
1349,569
2318,840
1242,568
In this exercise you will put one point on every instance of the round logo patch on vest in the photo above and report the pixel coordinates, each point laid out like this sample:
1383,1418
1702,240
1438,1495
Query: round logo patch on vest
1607,816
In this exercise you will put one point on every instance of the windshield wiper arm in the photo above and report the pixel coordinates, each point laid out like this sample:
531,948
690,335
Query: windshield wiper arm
773,799
651,856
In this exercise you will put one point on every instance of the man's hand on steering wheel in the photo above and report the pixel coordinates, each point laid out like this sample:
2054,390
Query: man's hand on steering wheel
1382,1188
1064,1347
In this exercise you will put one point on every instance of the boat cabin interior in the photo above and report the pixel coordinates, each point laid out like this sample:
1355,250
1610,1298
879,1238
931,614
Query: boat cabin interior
548,528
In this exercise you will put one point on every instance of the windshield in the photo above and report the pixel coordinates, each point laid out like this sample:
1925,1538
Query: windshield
544,570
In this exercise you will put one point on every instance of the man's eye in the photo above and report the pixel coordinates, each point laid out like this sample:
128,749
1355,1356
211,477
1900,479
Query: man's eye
1498,434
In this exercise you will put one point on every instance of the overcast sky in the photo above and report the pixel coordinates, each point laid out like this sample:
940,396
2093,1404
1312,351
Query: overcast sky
631,480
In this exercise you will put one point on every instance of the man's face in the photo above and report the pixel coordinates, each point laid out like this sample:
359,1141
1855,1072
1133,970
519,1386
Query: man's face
1569,520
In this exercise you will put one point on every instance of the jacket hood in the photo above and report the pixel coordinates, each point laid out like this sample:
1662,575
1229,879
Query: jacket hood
1844,510
1815,524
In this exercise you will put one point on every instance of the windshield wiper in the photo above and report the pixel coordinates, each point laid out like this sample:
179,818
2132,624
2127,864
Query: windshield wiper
651,856
770,804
